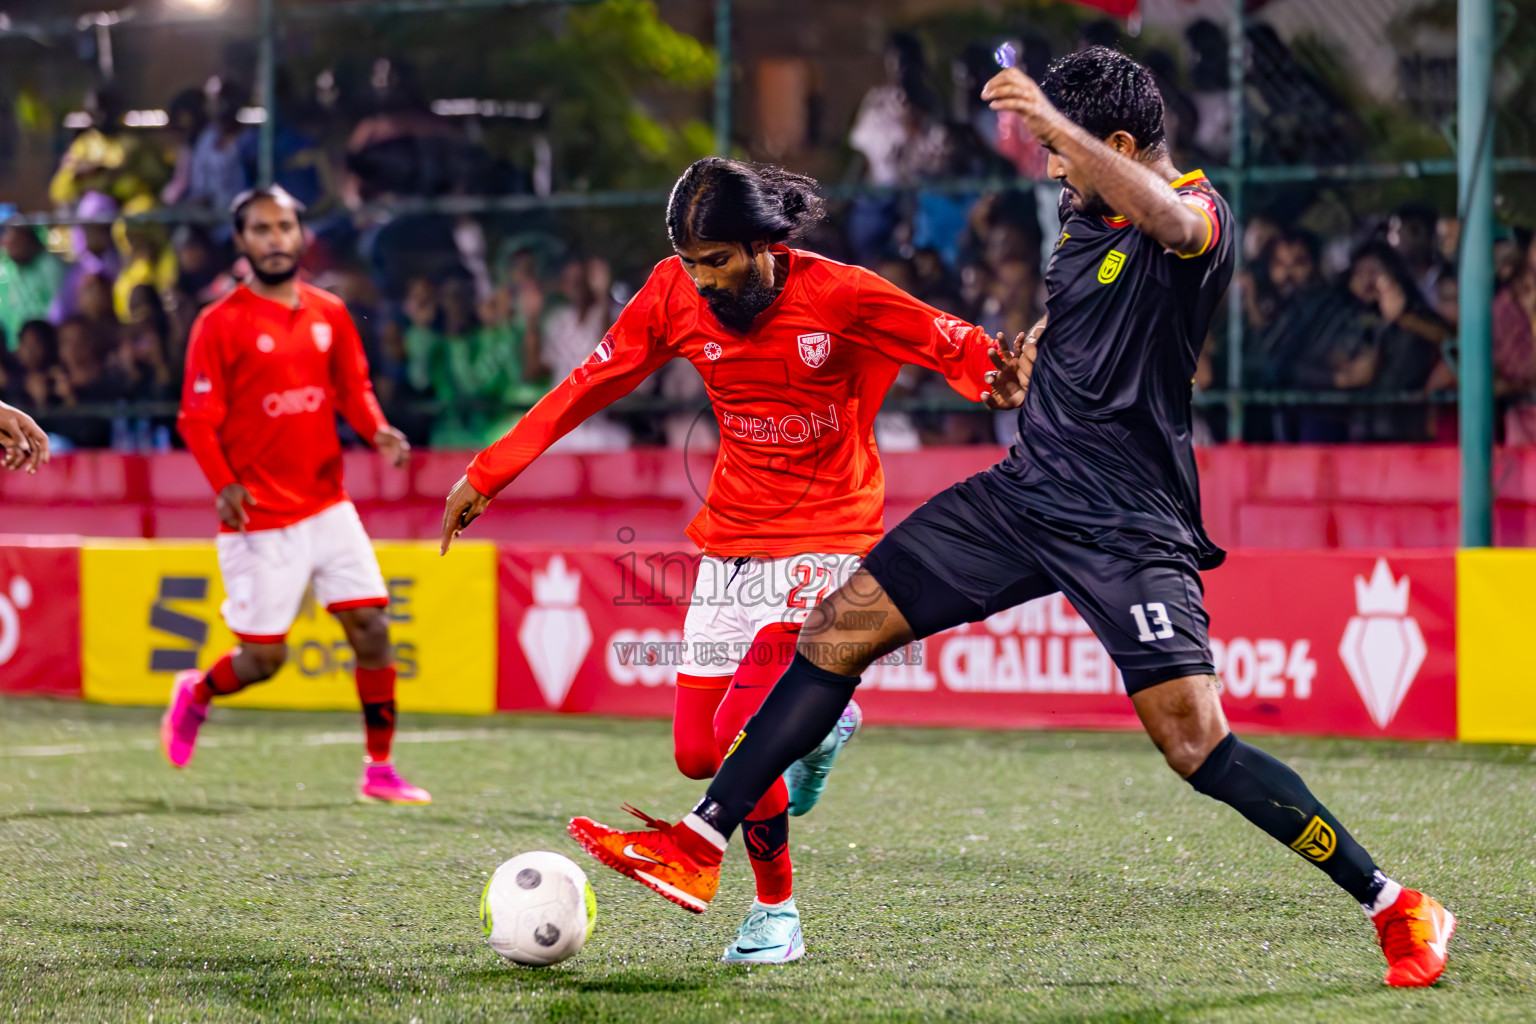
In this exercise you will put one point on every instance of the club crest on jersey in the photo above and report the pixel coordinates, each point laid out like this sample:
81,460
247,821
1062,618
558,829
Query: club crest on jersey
814,349
322,336
1110,268
604,350
712,351
202,385
265,343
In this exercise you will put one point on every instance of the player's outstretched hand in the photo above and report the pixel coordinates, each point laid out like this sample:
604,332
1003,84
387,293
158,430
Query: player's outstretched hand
464,506
1015,364
392,444
1011,89
22,440
231,504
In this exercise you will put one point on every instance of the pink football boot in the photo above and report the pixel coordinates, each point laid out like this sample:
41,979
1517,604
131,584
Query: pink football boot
382,783
183,717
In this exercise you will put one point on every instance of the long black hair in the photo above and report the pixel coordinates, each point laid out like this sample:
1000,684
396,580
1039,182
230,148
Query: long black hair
722,200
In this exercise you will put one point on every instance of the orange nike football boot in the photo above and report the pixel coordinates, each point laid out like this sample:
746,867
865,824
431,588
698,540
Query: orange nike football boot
1414,933
652,858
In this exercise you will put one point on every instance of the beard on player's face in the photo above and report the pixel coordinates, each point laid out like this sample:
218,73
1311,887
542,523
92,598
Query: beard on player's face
737,309
1087,205
276,268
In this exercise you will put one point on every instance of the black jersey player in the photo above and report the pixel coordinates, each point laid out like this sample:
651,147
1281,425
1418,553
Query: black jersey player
1098,499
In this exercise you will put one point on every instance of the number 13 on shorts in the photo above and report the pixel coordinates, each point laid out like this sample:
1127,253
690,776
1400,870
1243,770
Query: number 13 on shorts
1149,615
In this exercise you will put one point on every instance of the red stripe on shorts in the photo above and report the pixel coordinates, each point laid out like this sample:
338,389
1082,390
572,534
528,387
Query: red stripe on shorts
362,602
253,638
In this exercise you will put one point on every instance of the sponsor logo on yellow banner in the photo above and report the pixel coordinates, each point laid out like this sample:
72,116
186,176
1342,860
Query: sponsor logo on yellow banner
150,609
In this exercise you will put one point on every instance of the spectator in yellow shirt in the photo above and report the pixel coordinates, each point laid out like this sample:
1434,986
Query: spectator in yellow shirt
105,159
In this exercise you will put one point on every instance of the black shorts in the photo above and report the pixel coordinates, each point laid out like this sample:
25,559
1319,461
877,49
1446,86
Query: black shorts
971,551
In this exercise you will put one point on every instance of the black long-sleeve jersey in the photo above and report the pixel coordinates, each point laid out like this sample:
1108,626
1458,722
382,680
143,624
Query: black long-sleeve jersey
1105,441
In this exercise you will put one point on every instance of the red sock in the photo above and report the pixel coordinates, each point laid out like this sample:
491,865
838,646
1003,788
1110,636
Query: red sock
693,724
376,689
768,849
218,681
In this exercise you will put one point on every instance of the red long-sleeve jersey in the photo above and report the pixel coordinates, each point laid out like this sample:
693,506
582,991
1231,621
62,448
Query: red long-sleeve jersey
258,405
795,398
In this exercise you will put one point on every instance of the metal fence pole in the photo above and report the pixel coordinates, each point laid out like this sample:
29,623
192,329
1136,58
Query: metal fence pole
1474,161
1237,158
266,73
723,77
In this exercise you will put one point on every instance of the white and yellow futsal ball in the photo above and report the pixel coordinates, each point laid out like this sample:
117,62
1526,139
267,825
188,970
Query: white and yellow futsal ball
538,909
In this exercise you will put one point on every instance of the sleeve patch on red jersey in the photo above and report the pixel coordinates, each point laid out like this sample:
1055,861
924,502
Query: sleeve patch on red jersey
604,352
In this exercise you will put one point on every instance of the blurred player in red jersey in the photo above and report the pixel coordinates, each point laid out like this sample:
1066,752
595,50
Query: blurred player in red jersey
22,441
797,353
268,368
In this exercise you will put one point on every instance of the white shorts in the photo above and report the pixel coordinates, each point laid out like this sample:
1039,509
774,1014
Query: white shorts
267,571
735,599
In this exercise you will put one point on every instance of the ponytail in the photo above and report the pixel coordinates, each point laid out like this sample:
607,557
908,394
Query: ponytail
722,200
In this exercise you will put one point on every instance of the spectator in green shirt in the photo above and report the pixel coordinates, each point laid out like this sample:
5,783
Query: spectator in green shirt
421,341
30,277
474,361
478,371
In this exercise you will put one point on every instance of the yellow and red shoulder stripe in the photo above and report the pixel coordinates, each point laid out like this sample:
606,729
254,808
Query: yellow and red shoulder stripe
1206,208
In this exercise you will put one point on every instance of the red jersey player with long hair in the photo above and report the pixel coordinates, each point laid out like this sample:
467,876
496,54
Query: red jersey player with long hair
268,368
797,353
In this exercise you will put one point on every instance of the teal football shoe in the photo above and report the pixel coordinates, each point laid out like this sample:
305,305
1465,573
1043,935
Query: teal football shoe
769,935
807,777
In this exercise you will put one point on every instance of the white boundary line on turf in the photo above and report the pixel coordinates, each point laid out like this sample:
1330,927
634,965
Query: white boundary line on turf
314,739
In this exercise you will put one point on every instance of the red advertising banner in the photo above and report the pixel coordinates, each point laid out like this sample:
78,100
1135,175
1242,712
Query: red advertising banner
1322,643
1337,643
1118,8
40,616
587,629
1327,643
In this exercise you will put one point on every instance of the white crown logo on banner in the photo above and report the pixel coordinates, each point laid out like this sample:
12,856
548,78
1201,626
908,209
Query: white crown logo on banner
1383,647
555,635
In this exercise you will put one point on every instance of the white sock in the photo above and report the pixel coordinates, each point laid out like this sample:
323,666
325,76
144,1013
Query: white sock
706,830
758,904
1384,899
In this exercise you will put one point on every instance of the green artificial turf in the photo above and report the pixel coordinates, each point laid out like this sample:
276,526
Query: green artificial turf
947,875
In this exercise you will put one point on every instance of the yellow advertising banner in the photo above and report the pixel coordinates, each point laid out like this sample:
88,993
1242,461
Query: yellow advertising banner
150,609
1495,605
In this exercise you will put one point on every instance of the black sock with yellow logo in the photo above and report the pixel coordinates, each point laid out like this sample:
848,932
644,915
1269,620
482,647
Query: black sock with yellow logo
1273,797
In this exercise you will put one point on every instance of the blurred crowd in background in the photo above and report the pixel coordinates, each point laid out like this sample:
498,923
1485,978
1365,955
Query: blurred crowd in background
467,319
